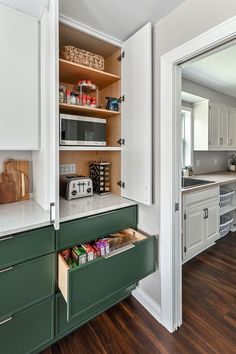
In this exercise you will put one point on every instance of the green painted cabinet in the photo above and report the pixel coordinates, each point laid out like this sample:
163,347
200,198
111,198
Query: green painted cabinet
99,225
29,330
26,245
26,283
62,326
91,283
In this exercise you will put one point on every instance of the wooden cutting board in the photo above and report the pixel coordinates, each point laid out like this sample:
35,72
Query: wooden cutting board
14,181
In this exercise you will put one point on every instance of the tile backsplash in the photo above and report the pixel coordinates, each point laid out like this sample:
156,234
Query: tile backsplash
209,161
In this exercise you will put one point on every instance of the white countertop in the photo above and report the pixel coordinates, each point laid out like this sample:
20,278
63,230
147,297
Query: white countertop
82,207
22,216
219,178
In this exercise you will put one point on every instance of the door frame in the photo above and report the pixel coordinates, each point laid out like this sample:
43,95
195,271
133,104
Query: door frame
170,166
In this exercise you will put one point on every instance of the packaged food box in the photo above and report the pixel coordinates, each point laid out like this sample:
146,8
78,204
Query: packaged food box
66,254
105,242
101,247
89,251
79,255
71,262
97,252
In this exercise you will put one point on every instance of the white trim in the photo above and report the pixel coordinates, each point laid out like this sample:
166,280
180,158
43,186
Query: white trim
146,301
89,30
170,221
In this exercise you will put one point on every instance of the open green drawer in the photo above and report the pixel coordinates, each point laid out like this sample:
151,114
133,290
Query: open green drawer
93,282
99,225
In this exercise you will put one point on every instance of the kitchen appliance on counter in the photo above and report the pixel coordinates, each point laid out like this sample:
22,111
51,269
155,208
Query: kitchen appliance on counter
73,186
82,131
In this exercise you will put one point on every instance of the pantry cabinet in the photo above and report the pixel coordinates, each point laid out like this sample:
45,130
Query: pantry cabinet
200,221
214,126
19,77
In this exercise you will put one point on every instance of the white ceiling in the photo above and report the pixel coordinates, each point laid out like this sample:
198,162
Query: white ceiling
31,7
117,18
217,71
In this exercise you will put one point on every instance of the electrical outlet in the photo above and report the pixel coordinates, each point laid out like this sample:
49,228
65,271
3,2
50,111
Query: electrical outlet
215,161
67,169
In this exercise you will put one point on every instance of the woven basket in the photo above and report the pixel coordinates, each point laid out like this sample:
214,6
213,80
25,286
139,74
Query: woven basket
82,57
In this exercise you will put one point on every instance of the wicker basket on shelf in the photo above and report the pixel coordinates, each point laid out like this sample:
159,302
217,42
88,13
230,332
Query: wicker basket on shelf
82,57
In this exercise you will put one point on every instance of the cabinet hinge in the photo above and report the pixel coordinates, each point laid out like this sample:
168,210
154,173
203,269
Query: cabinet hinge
121,184
52,213
122,99
121,141
185,217
121,56
185,249
176,206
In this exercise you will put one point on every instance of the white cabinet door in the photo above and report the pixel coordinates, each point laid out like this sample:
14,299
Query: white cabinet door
214,126
211,221
223,129
19,78
232,128
194,230
136,124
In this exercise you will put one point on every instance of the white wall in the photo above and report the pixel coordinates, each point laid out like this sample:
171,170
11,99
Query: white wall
183,24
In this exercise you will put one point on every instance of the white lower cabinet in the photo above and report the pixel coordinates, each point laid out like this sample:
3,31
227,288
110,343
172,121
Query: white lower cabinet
200,221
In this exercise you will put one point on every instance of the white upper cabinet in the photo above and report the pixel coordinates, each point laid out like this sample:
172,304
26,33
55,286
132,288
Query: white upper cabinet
19,78
214,126
136,124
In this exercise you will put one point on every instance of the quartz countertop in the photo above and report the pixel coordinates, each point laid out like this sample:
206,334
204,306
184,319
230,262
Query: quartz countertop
22,216
82,207
218,178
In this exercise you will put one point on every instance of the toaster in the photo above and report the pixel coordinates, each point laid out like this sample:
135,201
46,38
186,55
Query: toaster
73,186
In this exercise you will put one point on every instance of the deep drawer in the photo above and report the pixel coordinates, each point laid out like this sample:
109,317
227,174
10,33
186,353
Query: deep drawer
26,245
89,228
88,284
26,283
63,326
29,330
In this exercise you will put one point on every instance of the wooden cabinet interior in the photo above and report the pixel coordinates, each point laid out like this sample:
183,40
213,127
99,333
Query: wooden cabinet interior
108,83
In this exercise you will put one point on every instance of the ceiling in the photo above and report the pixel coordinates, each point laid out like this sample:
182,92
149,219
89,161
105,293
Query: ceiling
118,19
217,71
31,7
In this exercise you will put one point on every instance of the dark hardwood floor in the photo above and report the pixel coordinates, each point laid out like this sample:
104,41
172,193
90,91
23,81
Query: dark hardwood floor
209,315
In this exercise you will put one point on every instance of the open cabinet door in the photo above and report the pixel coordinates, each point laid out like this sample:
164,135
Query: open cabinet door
136,124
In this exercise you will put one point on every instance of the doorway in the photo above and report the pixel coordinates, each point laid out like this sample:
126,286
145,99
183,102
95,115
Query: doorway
171,205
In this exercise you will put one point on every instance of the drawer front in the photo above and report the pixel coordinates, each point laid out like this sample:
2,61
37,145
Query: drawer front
91,283
26,245
26,283
89,228
27,331
63,326
201,196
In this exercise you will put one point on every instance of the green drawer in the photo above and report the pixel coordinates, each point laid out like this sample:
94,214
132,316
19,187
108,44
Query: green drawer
62,326
20,247
27,331
26,283
88,284
89,228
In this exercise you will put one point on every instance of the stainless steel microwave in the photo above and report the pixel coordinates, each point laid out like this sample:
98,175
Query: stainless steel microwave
82,131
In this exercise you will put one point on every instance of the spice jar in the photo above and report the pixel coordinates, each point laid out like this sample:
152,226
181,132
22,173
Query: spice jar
68,96
93,102
84,100
72,98
88,100
61,95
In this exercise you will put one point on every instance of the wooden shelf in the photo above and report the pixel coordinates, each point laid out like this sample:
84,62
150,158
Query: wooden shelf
90,148
93,112
71,73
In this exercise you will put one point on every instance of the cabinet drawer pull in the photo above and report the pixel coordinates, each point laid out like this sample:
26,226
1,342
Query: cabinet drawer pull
118,251
5,321
6,270
5,238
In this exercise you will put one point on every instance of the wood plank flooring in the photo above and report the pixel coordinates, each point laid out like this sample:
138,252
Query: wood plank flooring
209,315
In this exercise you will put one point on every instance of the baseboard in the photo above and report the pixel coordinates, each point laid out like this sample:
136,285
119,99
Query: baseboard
150,305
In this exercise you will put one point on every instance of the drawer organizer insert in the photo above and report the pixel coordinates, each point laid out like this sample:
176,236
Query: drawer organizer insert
87,284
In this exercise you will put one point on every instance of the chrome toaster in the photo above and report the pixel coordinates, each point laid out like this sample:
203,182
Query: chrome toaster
73,186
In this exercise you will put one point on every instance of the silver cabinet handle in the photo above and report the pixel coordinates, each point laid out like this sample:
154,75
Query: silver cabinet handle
6,320
5,238
119,250
205,215
6,270
52,220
